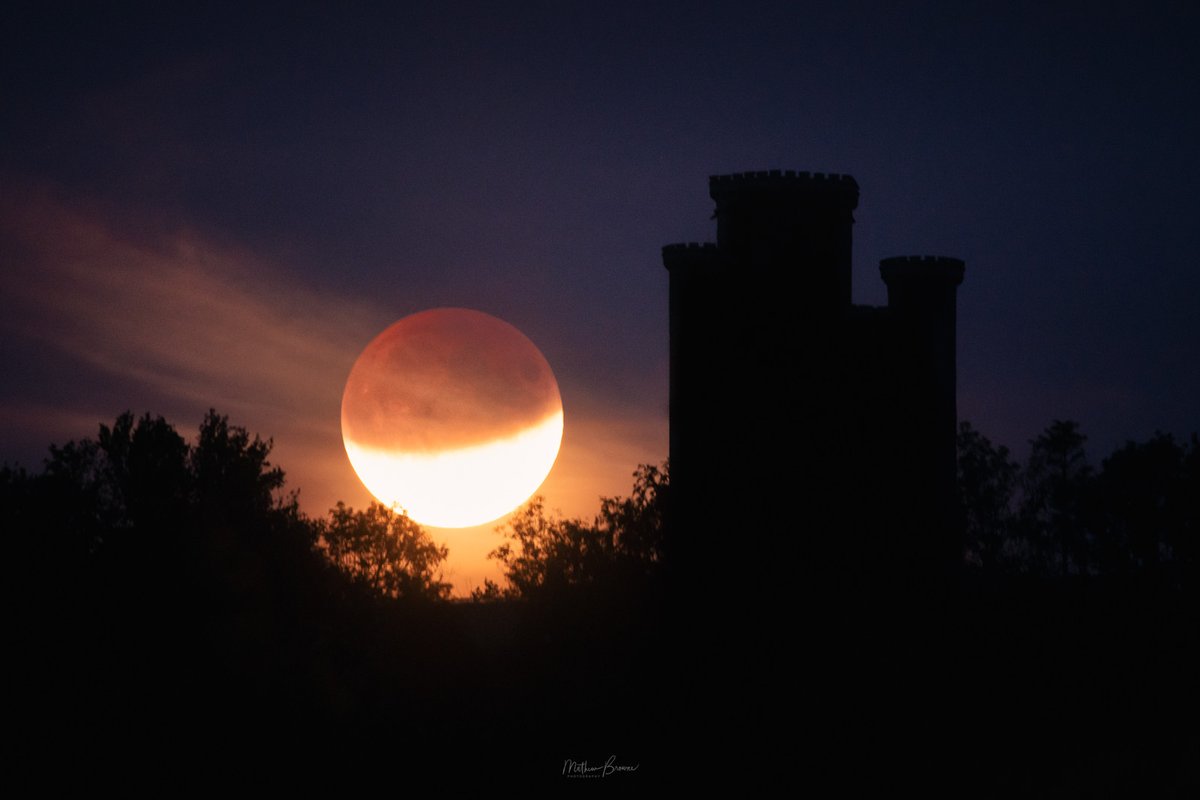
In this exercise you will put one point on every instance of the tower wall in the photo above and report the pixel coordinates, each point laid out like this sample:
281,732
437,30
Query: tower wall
695,346
921,300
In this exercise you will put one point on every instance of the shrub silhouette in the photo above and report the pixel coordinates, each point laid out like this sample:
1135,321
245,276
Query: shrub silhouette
384,551
620,549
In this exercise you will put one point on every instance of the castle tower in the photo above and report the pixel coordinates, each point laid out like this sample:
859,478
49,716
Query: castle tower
823,430
748,320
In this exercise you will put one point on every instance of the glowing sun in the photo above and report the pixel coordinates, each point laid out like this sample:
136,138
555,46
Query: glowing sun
453,415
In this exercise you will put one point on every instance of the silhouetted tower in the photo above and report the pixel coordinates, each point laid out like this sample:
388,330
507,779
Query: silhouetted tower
922,299
820,432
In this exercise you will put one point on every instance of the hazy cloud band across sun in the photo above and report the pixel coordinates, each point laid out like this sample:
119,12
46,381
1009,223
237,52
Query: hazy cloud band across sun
445,379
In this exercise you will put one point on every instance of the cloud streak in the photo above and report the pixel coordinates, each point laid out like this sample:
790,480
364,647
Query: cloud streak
179,325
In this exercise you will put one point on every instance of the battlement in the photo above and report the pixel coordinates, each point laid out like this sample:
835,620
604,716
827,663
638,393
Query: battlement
783,182
780,177
686,246
922,268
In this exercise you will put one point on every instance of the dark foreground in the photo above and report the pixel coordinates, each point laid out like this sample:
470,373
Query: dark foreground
1072,690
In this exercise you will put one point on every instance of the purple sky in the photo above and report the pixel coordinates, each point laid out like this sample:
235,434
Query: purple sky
222,207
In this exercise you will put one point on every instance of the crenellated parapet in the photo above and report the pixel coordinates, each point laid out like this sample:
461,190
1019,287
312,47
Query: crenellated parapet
687,253
789,225
776,180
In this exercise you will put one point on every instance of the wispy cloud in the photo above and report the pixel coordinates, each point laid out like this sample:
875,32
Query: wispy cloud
176,314
185,325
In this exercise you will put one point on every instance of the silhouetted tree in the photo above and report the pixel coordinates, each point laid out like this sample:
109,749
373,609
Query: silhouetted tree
988,480
384,551
620,548
1055,482
1138,515
146,465
47,533
81,508
489,592
635,523
547,553
234,480
123,491
208,523
1186,547
1144,507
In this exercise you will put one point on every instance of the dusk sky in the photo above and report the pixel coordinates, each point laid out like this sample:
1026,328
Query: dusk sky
222,207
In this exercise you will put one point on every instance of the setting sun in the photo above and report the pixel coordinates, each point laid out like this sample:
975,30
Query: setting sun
452,415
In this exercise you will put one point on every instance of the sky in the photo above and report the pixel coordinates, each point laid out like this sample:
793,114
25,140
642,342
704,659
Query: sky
221,206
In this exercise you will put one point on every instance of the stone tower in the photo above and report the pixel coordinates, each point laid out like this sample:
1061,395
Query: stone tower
817,432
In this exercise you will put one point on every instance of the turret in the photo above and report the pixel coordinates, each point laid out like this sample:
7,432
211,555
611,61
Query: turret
921,301
793,226
922,298
696,343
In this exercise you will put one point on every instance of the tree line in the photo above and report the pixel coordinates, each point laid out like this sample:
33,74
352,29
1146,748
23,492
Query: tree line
1136,514
138,497
140,500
